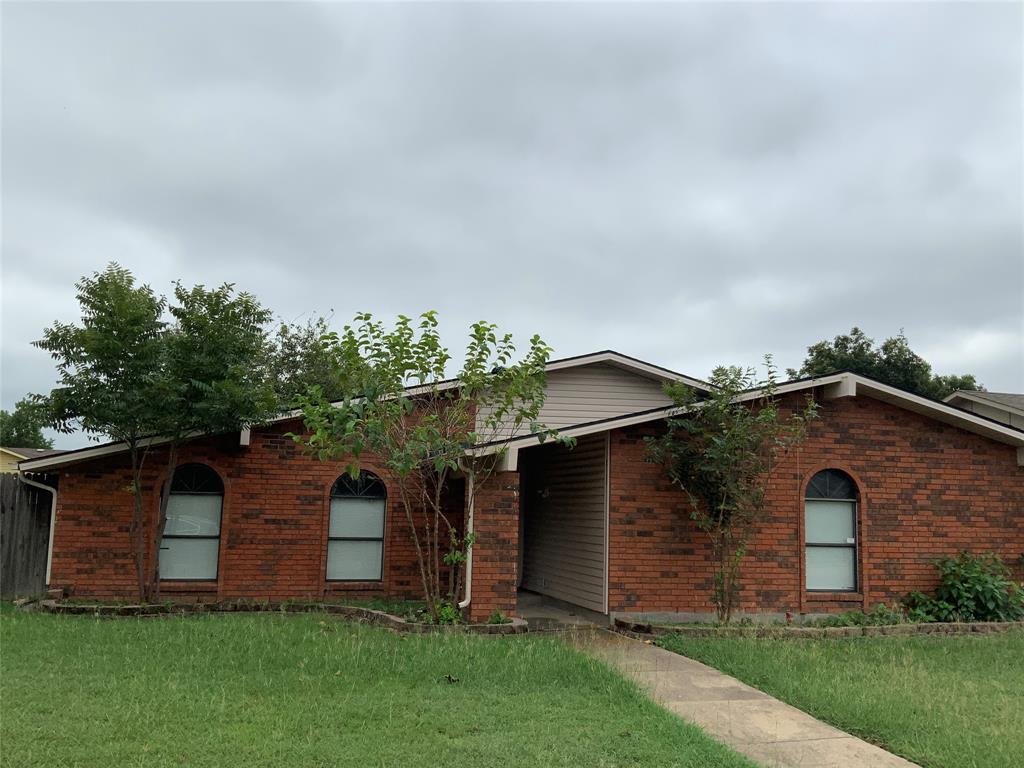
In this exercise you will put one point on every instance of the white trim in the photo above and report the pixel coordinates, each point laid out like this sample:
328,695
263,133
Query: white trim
628,363
607,509
979,397
849,384
607,356
53,518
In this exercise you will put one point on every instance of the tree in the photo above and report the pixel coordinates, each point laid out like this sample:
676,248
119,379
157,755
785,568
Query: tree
129,375
213,377
397,403
893,362
108,367
23,427
300,360
722,449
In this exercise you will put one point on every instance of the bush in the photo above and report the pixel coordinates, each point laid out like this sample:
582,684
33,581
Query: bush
971,588
498,618
881,615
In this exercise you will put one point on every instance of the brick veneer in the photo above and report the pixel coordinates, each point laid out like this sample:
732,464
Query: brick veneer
496,552
925,490
273,542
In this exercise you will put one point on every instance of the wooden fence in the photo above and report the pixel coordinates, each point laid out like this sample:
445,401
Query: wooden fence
24,536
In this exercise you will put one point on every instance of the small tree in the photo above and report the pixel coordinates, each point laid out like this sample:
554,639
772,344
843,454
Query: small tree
721,450
213,378
23,427
299,360
128,375
892,362
108,367
397,404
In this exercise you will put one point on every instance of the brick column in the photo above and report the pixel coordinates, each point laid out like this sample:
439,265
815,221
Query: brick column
496,551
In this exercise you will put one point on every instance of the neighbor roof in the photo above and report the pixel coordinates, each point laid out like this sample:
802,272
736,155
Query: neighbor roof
1008,400
607,357
32,453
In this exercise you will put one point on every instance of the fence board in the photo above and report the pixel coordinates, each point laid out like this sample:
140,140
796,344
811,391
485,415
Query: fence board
24,536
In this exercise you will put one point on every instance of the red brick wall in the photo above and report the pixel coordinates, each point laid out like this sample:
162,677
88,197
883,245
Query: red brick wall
926,490
273,528
496,552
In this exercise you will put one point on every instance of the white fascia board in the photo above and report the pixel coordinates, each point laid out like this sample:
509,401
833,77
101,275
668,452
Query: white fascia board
85,454
979,397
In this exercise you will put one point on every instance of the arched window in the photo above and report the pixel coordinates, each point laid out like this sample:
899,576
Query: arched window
355,537
191,537
830,532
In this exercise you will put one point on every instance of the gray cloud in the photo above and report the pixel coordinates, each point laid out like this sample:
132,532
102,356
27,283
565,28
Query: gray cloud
692,184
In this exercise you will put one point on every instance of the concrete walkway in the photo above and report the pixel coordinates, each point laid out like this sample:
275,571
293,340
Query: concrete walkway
748,720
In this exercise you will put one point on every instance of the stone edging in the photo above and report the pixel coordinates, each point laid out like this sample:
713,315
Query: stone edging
635,628
363,615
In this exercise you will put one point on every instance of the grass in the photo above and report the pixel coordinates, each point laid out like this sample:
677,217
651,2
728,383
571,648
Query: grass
309,690
952,701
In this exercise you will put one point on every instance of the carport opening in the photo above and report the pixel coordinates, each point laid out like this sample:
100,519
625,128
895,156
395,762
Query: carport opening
564,523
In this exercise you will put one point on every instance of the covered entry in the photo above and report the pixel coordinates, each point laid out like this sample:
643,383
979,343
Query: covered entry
564,520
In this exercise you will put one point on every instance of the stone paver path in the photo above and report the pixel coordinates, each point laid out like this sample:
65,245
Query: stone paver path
750,721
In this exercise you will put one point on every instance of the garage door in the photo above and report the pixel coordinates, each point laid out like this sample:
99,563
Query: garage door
565,521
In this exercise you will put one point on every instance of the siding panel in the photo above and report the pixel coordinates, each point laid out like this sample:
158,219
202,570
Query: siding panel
565,521
592,392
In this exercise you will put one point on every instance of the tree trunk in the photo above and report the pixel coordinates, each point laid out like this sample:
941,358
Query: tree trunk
165,499
138,530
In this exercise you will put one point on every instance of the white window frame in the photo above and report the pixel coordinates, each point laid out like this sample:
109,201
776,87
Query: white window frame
192,537
383,497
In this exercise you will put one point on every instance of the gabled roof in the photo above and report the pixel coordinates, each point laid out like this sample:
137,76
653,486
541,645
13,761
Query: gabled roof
843,384
607,356
1007,400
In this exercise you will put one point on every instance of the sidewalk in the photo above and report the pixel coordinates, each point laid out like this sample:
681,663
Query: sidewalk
748,720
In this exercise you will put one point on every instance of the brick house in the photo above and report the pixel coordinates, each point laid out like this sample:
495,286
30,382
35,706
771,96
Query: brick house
885,483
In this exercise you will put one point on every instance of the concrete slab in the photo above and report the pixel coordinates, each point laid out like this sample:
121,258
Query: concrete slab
765,729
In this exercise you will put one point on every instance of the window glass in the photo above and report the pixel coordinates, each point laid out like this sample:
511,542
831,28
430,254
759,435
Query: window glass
193,515
354,560
831,568
830,522
357,518
188,558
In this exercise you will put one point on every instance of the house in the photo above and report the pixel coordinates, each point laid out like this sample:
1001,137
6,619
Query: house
886,482
1001,406
9,457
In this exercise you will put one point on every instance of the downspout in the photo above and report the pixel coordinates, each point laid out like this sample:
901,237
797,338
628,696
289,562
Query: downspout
53,517
463,604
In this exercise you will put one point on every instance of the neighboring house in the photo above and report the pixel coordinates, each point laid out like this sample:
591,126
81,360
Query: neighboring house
886,482
1001,406
9,457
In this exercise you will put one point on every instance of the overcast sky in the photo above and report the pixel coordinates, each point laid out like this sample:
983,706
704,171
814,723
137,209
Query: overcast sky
690,184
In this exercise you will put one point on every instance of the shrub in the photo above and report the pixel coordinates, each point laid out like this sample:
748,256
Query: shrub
880,615
498,618
971,588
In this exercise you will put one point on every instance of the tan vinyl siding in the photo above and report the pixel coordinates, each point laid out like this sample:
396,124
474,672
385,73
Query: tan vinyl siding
565,521
592,392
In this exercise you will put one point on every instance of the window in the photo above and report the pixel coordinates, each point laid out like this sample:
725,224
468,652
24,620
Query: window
355,536
191,538
830,532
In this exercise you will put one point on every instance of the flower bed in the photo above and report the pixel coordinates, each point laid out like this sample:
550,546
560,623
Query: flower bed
366,615
777,631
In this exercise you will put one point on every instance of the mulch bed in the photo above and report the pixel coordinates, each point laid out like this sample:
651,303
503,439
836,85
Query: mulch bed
635,628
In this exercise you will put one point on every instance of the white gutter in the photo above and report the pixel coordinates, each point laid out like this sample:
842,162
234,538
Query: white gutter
464,603
53,517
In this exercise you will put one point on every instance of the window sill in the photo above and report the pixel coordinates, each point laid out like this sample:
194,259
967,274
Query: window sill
833,597
199,585
351,586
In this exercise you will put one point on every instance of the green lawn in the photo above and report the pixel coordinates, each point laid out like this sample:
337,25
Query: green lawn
953,701
309,690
